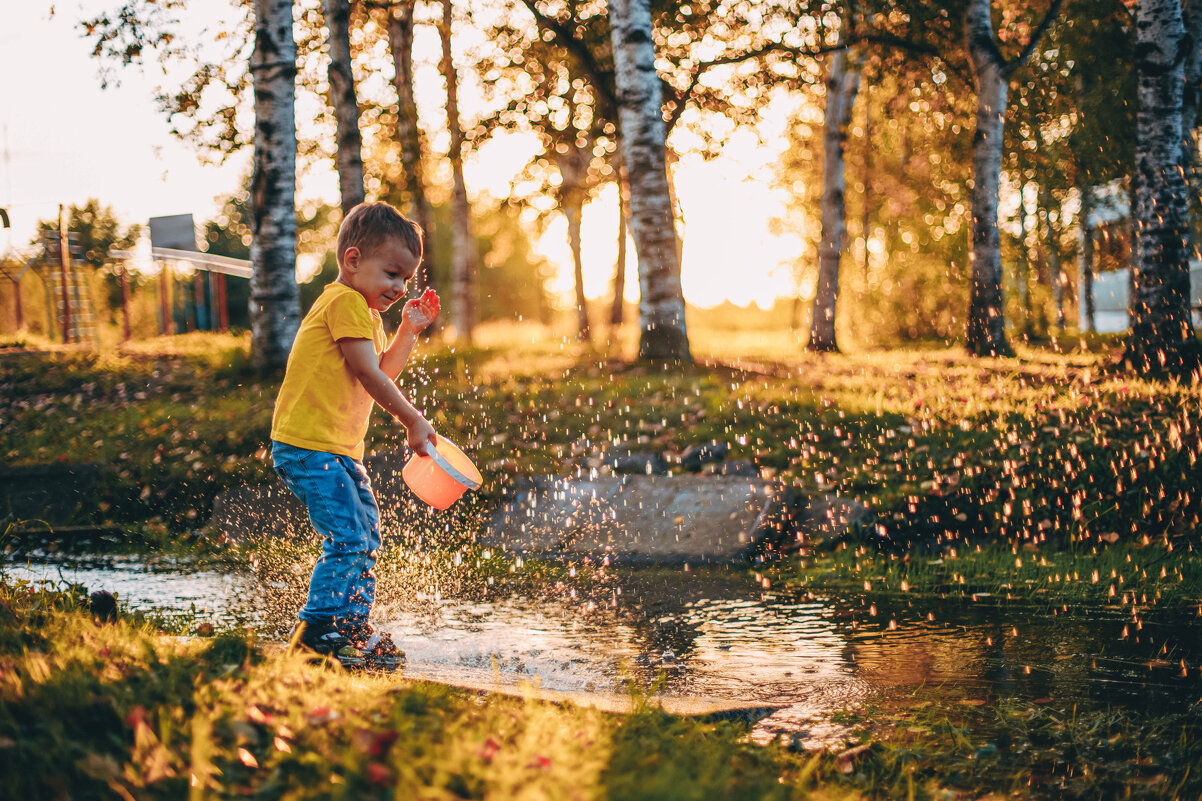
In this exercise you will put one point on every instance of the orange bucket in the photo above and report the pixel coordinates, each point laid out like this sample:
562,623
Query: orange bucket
442,476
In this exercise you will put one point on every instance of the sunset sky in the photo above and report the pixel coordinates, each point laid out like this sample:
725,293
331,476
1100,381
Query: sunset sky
65,140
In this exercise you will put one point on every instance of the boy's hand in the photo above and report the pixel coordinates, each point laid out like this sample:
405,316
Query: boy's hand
420,435
419,314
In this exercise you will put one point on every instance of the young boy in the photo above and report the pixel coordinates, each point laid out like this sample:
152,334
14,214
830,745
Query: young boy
338,368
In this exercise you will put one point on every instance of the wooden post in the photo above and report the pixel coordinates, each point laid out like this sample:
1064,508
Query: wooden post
121,275
20,308
64,264
166,324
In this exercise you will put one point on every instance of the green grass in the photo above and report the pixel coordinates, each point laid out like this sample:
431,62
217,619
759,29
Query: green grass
92,709
1049,447
100,710
1091,575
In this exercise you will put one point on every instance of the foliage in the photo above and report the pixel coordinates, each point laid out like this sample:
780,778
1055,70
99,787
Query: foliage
97,232
904,275
1046,447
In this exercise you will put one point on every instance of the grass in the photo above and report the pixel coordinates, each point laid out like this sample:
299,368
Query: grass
1046,446
1046,478
1109,575
115,709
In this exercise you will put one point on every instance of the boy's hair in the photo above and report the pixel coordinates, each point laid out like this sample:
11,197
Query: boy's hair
369,225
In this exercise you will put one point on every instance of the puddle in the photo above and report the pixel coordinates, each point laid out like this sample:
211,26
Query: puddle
718,641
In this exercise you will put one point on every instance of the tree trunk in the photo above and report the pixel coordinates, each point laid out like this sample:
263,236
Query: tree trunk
866,212
408,132
1053,268
1022,265
986,330
573,172
1192,19
842,82
346,107
663,333
1162,335
616,312
1085,261
274,299
573,212
463,244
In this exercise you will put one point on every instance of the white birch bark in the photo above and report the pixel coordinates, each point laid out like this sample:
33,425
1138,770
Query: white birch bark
986,330
842,83
274,298
349,157
408,133
463,243
1162,337
663,333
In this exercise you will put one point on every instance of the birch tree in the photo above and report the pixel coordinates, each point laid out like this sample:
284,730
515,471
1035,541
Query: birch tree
349,153
274,299
663,333
842,83
986,329
463,245
618,302
1162,336
408,132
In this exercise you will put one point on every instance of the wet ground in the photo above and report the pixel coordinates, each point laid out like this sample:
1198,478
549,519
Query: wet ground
721,639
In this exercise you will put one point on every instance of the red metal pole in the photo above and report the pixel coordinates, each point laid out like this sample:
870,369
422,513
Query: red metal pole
223,311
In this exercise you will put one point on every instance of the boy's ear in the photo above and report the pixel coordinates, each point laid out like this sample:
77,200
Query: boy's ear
350,257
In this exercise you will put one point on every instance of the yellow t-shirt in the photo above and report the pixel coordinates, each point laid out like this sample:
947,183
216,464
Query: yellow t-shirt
321,405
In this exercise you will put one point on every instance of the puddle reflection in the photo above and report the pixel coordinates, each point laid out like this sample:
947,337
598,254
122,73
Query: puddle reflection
721,638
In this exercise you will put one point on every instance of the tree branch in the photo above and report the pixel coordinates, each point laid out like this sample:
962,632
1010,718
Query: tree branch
1053,10
567,39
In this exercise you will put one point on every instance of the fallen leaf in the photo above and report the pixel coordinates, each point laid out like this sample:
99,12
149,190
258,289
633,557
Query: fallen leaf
489,749
379,773
845,761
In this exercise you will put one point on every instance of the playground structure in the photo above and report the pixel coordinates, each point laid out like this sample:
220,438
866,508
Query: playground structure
190,287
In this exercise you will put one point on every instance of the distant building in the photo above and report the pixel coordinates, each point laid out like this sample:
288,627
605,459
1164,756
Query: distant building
1110,224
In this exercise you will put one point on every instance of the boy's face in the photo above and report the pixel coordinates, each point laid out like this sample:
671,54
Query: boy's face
382,275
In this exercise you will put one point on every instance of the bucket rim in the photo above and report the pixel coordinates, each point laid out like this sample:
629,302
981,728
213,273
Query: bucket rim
449,469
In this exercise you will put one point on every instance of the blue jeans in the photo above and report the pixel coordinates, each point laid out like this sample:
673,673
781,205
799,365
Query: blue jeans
343,510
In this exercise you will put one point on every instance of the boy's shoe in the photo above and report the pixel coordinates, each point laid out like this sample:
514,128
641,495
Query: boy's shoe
378,650
326,640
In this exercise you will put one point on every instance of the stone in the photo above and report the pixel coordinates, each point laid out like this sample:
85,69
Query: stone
640,519
825,519
735,467
696,456
57,494
637,464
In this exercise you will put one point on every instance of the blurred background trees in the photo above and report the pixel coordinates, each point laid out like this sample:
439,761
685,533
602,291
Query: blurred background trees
904,265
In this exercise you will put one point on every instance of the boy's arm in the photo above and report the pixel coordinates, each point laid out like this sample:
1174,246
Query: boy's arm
396,355
415,317
360,355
